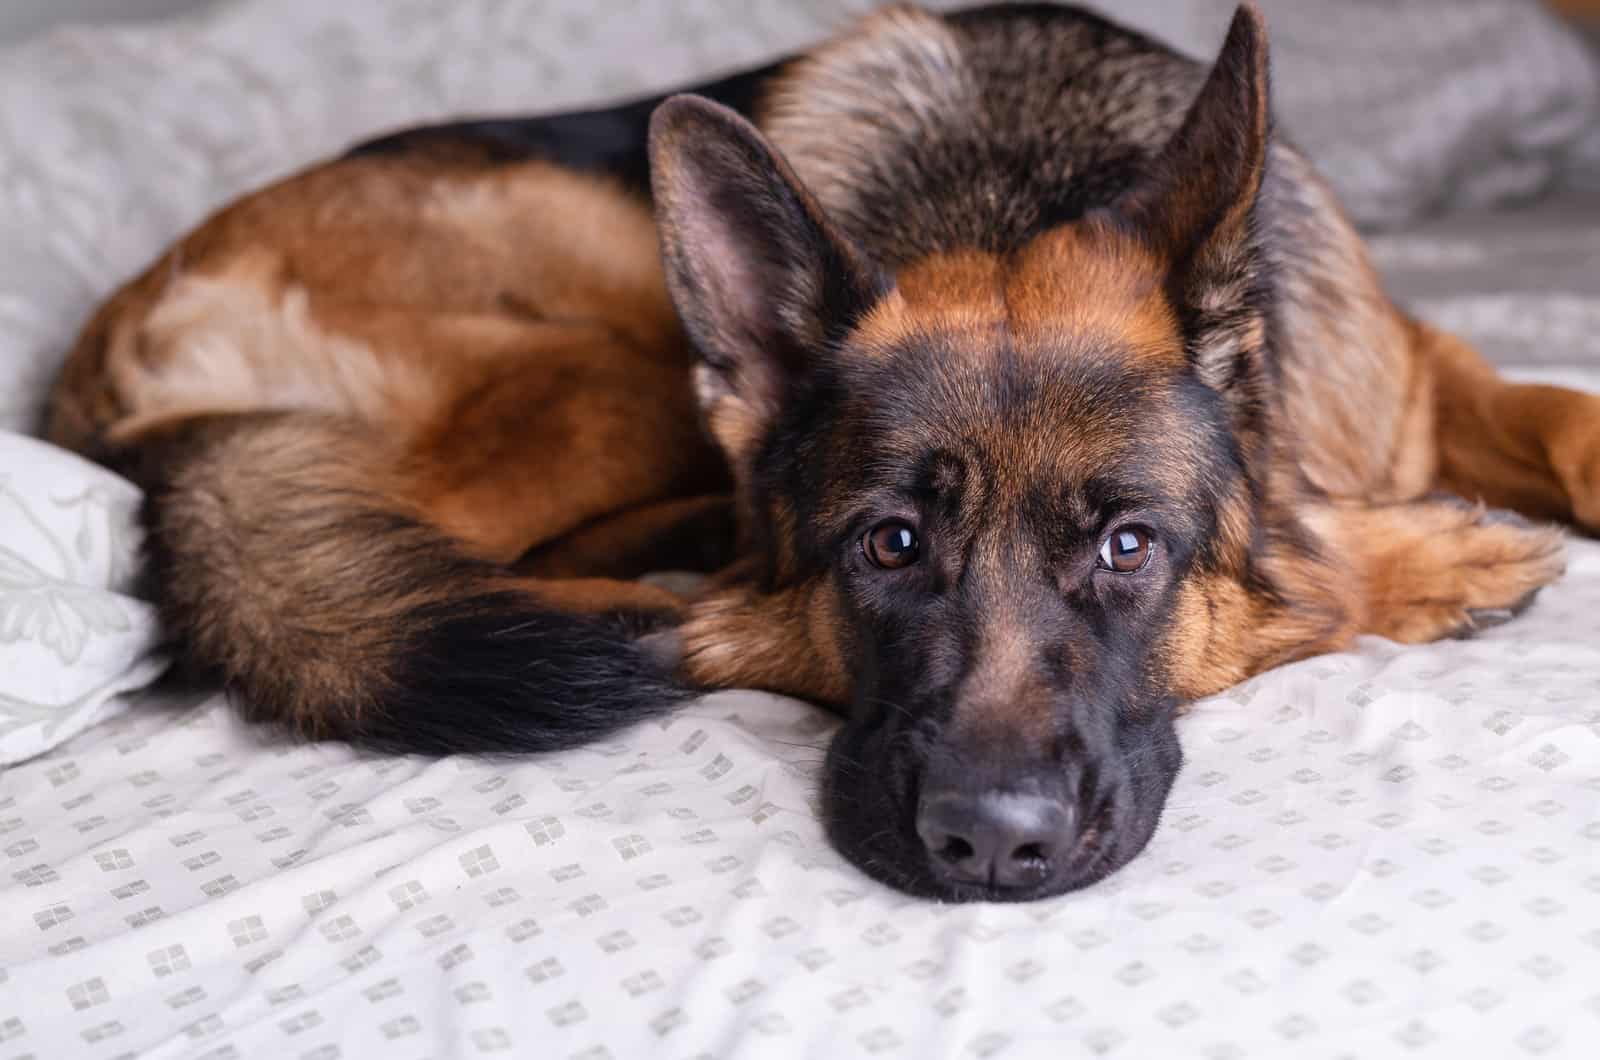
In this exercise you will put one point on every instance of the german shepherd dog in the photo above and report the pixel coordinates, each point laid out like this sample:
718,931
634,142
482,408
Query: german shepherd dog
1012,380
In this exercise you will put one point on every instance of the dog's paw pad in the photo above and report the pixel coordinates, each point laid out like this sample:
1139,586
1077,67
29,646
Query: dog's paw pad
1480,619
1506,517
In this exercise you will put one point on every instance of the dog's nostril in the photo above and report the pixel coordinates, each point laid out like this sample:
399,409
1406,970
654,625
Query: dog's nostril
956,849
1031,852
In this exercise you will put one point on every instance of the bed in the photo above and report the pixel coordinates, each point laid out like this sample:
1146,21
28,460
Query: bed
1386,852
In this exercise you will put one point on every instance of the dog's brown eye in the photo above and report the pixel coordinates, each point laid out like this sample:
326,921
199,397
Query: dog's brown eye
891,545
1125,550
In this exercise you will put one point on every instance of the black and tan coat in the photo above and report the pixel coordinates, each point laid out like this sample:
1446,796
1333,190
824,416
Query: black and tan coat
1016,379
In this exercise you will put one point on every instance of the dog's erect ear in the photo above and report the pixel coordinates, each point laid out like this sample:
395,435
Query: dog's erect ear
764,284
1198,205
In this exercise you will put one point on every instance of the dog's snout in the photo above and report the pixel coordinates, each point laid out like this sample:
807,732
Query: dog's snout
1003,840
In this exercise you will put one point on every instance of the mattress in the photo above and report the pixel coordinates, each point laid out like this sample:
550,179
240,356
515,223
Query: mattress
1389,852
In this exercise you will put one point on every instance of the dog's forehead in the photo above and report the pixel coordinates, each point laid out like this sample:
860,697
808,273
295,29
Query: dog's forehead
1081,289
1049,364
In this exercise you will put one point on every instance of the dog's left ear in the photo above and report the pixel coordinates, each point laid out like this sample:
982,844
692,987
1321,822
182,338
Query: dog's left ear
1198,204
763,283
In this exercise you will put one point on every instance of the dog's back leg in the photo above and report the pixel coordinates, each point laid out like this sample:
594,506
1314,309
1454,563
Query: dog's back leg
353,401
516,430
691,534
566,429
1534,449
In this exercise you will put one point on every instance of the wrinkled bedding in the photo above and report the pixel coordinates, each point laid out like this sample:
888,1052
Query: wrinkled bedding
1384,853
1389,852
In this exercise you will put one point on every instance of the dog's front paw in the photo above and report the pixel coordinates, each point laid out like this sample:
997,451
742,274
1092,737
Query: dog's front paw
1476,569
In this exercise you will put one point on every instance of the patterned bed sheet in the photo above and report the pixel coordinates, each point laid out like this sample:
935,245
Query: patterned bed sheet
1390,852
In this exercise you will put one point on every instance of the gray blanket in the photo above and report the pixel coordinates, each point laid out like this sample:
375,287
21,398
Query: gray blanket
1524,283
1415,107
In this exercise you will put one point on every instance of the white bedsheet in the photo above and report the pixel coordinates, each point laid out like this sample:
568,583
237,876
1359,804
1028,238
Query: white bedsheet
1392,852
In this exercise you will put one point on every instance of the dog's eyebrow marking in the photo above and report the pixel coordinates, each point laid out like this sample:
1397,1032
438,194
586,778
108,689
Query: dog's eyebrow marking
1107,497
1083,514
1079,286
1086,278
960,293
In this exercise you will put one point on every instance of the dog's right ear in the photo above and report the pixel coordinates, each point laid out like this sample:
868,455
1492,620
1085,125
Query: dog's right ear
1198,209
764,285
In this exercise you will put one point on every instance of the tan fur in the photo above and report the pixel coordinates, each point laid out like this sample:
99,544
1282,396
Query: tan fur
787,641
1412,572
1074,284
1084,283
1529,447
343,649
533,380
485,352
328,551
1368,413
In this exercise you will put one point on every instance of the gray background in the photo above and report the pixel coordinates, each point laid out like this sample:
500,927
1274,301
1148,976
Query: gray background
18,18
21,17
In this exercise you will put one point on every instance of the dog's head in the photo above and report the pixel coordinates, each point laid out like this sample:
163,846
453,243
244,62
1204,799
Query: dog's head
991,497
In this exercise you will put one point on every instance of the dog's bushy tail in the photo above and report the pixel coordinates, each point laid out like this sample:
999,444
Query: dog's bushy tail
288,560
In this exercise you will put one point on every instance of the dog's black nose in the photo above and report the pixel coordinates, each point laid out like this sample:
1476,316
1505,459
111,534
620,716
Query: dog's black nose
1000,839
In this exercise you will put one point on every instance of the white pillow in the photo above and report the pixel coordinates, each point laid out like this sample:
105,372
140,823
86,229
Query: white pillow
73,638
